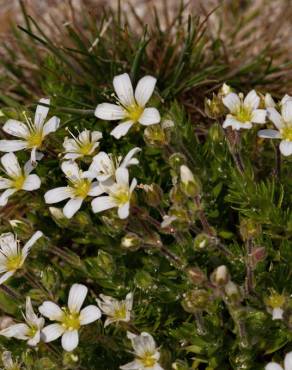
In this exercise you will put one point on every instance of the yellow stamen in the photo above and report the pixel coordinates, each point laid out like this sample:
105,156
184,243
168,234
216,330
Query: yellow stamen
275,300
134,112
86,149
18,182
81,188
14,262
121,312
286,133
243,114
35,139
71,321
122,196
148,360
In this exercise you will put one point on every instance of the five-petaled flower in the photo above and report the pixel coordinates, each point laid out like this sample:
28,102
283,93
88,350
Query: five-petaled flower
283,123
119,194
115,310
287,364
18,178
69,319
12,256
84,145
243,111
146,353
131,106
77,190
31,133
30,330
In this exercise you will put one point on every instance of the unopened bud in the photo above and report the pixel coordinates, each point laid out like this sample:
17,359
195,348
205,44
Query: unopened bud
58,217
214,108
195,300
201,241
105,262
131,242
153,194
155,136
215,133
176,160
269,101
232,291
220,276
180,365
249,229
143,280
176,195
190,185
258,254
196,275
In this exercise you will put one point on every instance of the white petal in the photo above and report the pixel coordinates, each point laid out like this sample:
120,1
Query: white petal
6,276
144,90
286,147
29,312
150,116
11,165
110,112
72,156
5,196
76,297
134,365
232,102
51,126
96,135
259,116
70,340
57,195
269,101
4,183
269,134
285,98
288,361
72,206
287,111
133,185
7,360
278,313
122,176
41,113
18,331
123,211
129,301
89,314
275,117
16,128
252,100
31,242
32,182
121,129
51,310
95,190
12,145
236,125
128,160
35,340
273,366
124,89
71,170
100,204
52,332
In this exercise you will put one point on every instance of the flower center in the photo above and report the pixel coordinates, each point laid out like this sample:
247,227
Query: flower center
86,148
120,312
81,188
18,182
71,321
134,112
35,139
32,331
243,114
14,262
148,360
122,195
275,300
286,133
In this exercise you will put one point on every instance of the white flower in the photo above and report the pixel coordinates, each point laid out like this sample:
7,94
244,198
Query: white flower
18,178
270,103
131,107
69,319
31,134
104,166
77,190
83,145
12,256
147,355
115,310
8,363
167,221
243,112
283,123
119,194
287,364
186,175
30,330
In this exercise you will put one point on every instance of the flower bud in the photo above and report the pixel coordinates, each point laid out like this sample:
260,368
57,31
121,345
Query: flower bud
249,229
58,217
176,195
220,276
155,136
196,275
215,133
201,241
214,108
258,254
131,242
180,365
269,101
153,194
143,280
176,160
195,300
105,262
232,292
190,185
